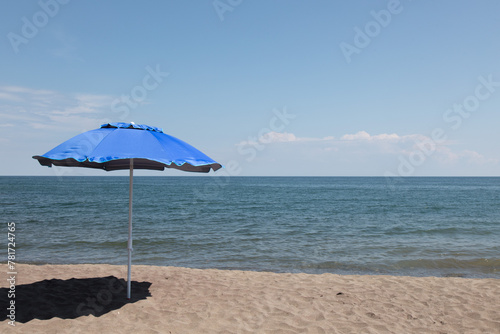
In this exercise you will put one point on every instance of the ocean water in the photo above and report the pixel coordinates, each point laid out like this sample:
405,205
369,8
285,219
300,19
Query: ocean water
346,225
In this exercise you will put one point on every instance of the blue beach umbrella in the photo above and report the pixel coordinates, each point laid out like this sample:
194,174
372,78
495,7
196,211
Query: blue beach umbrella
116,146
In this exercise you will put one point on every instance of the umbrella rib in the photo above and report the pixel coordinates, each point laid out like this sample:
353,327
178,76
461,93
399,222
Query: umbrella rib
162,148
173,162
95,147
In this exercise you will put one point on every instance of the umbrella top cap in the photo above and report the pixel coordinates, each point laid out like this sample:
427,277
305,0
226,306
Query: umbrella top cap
132,125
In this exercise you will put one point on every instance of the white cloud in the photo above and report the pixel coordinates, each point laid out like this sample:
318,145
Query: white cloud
361,135
446,156
46,109
9,96
383,137
358,137
362,147
277,137
86,104
24,90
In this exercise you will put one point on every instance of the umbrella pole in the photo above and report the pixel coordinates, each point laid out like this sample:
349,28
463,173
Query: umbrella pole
131,183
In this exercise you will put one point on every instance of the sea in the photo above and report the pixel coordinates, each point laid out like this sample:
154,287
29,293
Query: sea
416,226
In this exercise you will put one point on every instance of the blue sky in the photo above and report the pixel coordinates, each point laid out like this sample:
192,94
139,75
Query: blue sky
405,88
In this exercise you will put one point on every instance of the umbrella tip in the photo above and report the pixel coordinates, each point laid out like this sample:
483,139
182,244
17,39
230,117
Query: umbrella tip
132,122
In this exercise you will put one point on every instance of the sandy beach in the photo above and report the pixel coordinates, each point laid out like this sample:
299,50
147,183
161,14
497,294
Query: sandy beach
91,299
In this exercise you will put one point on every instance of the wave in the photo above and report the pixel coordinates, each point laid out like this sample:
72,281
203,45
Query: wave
449,267
451,263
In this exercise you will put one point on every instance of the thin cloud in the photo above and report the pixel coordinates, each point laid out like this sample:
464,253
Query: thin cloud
363,135
46,109
9,97
280,137
446,156
361,145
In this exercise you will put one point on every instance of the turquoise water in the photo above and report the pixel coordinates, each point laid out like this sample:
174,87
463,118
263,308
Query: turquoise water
344,225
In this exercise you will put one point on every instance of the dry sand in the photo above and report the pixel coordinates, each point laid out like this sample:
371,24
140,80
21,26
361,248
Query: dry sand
180,300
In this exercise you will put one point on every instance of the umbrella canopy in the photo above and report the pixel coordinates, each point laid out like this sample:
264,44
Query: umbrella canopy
116,146
113,145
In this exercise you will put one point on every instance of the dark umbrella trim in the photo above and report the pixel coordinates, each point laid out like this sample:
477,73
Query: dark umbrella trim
121,164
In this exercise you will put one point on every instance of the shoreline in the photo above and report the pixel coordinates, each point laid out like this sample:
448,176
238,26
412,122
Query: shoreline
180,300
445,272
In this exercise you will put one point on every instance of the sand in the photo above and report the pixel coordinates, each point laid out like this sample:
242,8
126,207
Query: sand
91,299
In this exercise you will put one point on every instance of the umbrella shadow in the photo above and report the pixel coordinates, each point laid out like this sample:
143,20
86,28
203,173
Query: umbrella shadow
69,299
